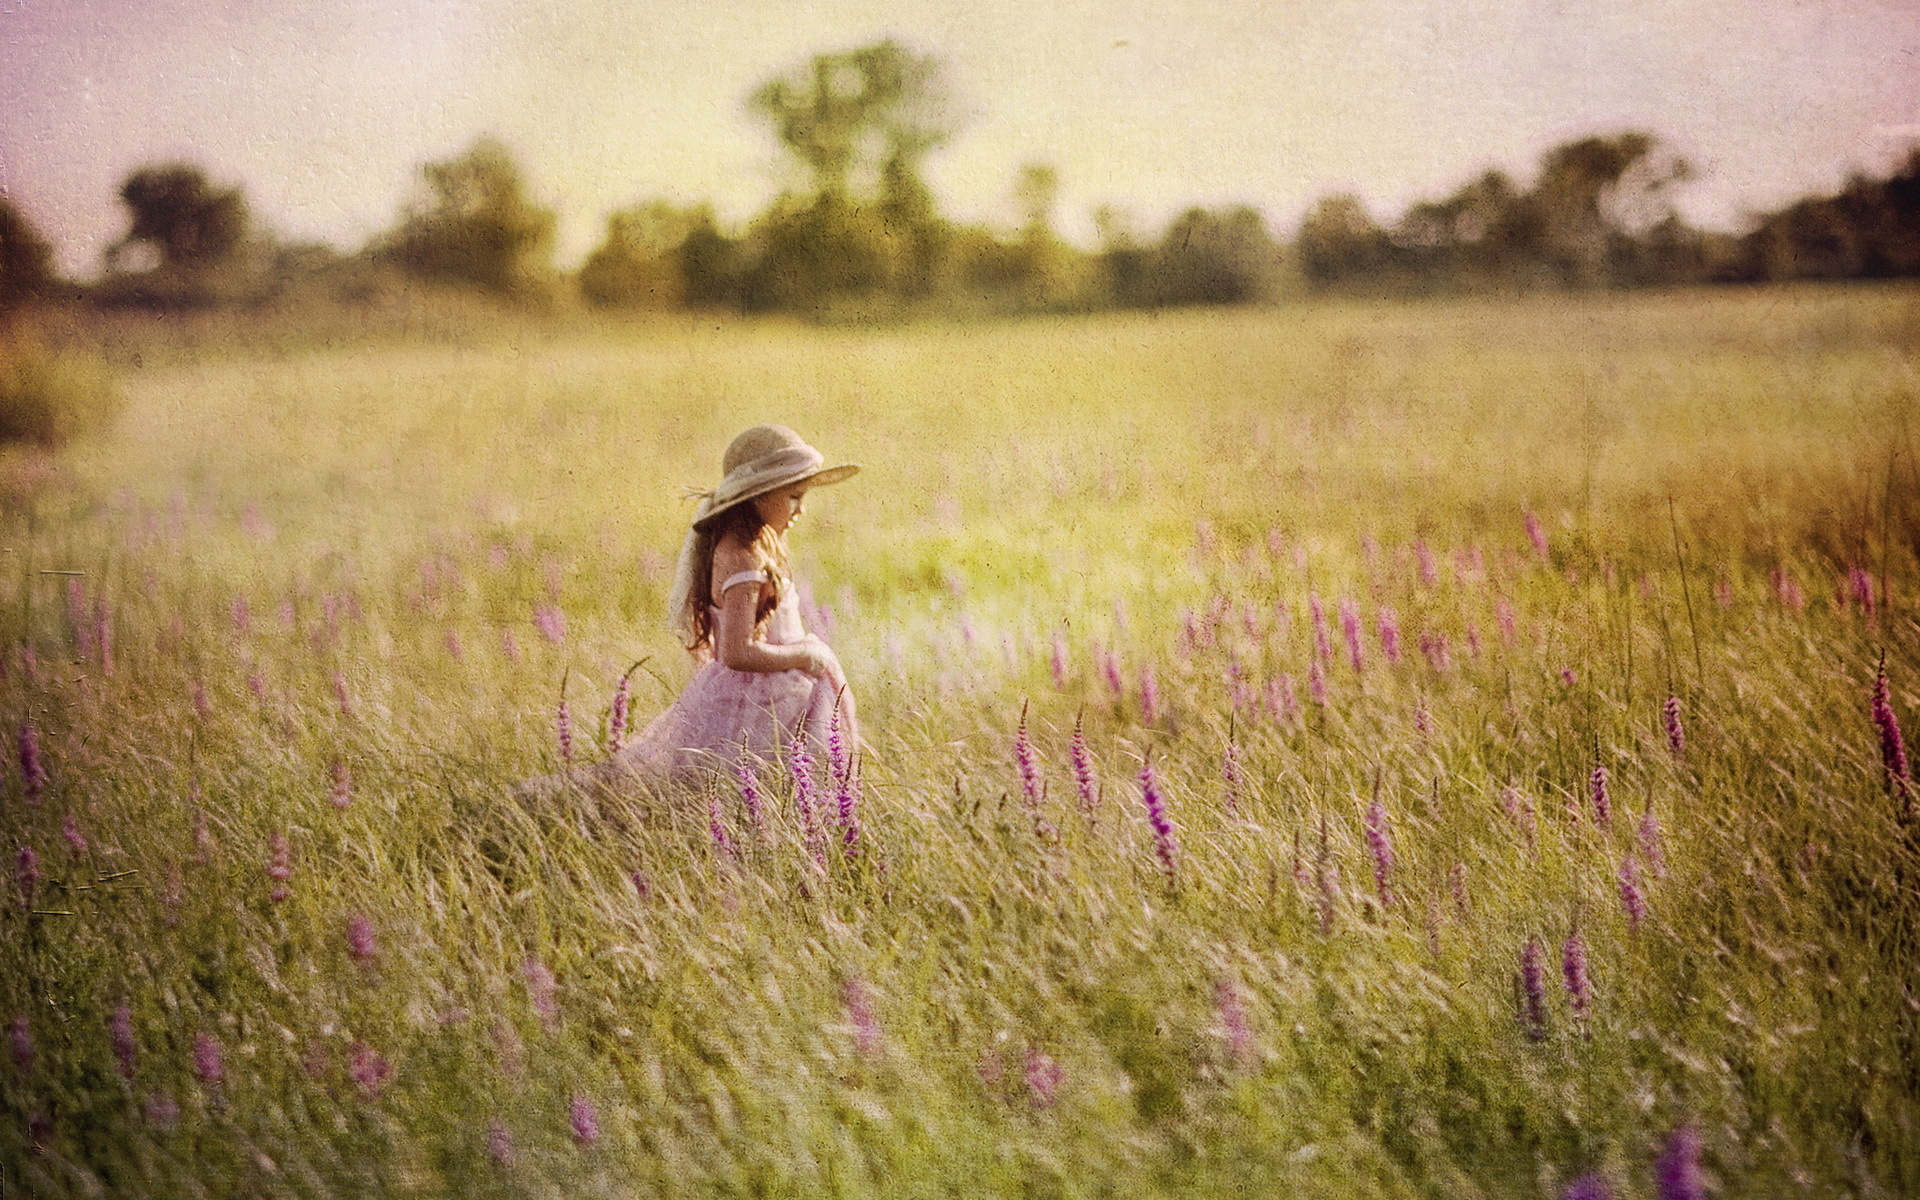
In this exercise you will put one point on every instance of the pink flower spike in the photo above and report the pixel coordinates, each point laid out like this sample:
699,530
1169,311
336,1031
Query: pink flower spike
1573,966
361,942
1164,844
1058,663
1149,696
33,772
1043,1077
342,794
70,829
1676,734
1602,799
209,1062
369,1068
583,1119
1897,773
120,1036
1083,773
20,1044
1380,845
499,1143
1533,993
542,990
1537,535
26,875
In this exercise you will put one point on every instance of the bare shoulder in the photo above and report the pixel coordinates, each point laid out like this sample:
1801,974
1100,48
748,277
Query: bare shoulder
731,556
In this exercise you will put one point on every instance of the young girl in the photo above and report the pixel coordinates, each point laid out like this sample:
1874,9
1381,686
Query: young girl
762,677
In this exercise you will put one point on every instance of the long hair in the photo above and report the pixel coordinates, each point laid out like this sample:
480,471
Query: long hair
688,606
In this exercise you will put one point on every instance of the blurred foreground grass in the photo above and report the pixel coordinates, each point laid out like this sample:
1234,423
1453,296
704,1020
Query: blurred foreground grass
1448,630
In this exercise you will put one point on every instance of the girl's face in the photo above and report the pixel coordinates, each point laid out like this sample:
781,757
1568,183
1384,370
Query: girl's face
779,507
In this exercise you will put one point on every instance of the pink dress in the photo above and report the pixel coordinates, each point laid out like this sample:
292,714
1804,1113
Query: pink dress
721,715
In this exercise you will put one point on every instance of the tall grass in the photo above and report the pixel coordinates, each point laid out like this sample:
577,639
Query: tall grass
1574,855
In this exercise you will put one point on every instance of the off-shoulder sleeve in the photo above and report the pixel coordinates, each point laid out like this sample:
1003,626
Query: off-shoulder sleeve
742,577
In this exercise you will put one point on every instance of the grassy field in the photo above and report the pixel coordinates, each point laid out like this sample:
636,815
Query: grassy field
1500,675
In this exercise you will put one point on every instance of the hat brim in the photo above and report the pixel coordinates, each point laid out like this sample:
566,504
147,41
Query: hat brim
820,478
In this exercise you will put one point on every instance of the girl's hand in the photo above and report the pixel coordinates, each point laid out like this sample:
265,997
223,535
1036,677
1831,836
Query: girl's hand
821,661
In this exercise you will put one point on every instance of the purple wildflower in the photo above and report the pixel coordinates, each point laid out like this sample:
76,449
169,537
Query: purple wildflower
1149,696
717,825
1533,993
1676,733
361,942
1043,1076
1651,843
584,1120
499,1143
1322,645
1860,584
800,766
1787,589
541,990
750,794
257,684
1422,719
1573,969
1083,776
1281,700
1631,897
1503,617
1233,1022
1163,835
1110,671
162,1110
1602,801
1591,1186
563,729
1234,783
859,1005
1437,648
242,615
279,866
509,645
1326,878
202,707
342,695
1350,626
26,874
209,1062
1676,1173
1389,624
1457,885
1316,684
1380,845
1032,787
617,715
33,772
70,829
551,622
120,1036
642,886
20,1044
1537,535
203,843
369,1068
1059,660
1423,555
342,794
1893,747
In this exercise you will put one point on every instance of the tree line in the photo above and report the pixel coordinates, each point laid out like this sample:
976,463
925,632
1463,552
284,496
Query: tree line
857,231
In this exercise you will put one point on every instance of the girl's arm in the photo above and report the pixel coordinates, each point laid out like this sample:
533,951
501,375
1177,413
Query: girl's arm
734,643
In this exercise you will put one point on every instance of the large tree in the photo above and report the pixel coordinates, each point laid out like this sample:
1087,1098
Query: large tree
475,224
184,220
26,260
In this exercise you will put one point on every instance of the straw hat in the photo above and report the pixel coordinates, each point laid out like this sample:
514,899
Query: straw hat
764,459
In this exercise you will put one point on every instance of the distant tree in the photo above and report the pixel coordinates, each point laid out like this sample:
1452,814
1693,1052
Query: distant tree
861,122
181,218
475,225
26,260
639,263
850,115
1214,258
1870,229
1593,195
1338,241
709,265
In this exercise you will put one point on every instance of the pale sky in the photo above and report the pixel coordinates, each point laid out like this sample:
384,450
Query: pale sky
324,109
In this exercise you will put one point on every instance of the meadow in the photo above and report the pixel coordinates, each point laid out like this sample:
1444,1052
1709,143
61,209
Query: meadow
1363,749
